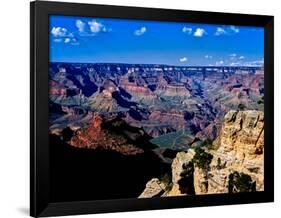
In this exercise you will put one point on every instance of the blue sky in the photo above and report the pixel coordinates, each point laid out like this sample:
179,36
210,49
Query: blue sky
106,40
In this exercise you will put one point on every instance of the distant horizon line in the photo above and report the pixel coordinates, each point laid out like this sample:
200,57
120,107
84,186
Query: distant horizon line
168,65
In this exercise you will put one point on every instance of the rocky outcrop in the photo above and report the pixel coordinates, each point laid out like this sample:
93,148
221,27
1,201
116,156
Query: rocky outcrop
210,132
236,91
200,181
138,91
173,90
236,165
241,148
154,188
103,102
171,118
97,136
182,174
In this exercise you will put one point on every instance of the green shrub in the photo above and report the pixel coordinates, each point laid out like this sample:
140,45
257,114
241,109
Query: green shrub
202,159
261,101
241,107
241,182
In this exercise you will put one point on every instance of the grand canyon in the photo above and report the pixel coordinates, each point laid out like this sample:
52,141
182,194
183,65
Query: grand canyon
152,130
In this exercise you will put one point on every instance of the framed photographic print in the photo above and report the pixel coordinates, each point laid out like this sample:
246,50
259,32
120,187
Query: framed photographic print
140,108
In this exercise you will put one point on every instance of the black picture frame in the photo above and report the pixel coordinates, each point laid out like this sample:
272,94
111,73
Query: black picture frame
39,147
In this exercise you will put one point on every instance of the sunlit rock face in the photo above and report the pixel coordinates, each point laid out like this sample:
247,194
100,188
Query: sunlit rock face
237,153
97,136
154,188
182,174
241,149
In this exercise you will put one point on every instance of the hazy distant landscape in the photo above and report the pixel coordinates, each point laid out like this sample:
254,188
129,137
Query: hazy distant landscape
175,106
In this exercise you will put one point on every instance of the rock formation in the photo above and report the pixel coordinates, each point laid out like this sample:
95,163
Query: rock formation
236,158
96,136
241,147
154,188
182,174
139,91
172,90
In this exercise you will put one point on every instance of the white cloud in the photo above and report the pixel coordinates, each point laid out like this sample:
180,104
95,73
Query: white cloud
240,62
241,57
256,63
235,64
80,25
234,29
67,40
91,28
208,56
183,59
187,30
220,31
140,31
60,32
219,63
233,56
226,30
96,27
199,32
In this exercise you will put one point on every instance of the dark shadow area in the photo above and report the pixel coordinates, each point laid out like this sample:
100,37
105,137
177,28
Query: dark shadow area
186,184
122,101
85,174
